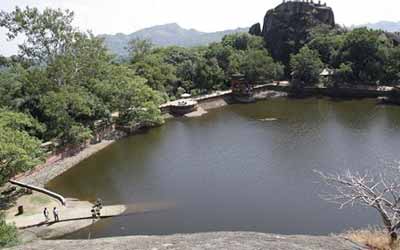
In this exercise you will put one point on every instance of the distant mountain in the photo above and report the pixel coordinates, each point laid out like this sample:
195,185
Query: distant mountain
166,35
384,25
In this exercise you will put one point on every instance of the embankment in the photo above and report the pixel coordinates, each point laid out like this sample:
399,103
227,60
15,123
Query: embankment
42,175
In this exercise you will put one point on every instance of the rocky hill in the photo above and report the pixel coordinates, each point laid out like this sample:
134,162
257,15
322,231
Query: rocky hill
210,241
166,35
383,25
287,27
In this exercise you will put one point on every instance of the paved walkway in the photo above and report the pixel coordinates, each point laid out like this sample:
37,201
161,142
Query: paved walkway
74,216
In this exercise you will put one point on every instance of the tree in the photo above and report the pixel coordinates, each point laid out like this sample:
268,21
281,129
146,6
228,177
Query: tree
8,233
259,65
19,151
11,86
343,74
306,67
86,60
128,94
66,79
327,42
68,107
139,48
366,51
243,41
208,75
160,75
380,192
392,66
48,33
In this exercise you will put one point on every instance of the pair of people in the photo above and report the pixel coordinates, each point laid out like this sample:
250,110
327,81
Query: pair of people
55,214
96,209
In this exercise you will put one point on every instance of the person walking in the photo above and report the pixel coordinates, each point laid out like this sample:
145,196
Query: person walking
55,214
46,214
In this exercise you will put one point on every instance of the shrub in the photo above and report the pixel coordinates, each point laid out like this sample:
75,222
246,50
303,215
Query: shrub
8,233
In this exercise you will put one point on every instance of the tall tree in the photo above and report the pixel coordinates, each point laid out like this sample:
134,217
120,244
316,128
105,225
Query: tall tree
365,51
306,67
139,48
259,65
19,151
48,33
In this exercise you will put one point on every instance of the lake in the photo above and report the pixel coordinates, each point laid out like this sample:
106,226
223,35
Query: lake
240,168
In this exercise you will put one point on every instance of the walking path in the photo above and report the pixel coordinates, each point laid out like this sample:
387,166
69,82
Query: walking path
74,216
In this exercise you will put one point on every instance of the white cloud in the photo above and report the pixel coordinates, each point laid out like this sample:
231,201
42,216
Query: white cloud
113,16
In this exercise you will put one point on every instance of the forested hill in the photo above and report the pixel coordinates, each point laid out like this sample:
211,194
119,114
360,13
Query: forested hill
166,35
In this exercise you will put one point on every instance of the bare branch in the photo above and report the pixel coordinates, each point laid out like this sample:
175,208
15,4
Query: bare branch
381,192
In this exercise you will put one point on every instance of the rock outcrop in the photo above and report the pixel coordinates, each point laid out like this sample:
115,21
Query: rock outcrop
287,27
210,241
255,30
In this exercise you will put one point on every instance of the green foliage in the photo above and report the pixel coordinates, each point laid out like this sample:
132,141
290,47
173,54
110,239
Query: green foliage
365,51
392,66
48,33
159,75
69,105
19,150
343,74
8,233
258,65
327,42
306,67
72,82
175,70
358,56
243,41
138,49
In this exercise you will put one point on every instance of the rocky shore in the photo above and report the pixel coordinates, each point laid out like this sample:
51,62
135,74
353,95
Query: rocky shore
209,241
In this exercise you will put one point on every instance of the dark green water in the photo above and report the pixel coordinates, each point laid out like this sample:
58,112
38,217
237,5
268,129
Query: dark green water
229,171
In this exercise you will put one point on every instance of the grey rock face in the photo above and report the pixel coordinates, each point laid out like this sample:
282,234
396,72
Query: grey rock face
255,30
209,241
287,27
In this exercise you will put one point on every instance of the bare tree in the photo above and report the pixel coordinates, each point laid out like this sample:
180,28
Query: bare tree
379,191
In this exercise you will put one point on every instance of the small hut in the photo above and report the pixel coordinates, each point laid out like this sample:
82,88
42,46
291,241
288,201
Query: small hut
242,90
327,76
327,72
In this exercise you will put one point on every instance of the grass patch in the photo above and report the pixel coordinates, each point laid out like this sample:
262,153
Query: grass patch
40,200
373,238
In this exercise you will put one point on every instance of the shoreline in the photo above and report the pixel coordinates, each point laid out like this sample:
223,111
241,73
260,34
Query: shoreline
41,175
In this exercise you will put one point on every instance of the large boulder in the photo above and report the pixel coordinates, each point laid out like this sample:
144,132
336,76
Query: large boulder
287,27
255,30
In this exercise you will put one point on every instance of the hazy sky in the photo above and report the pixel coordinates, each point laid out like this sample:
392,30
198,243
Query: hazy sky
126,16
